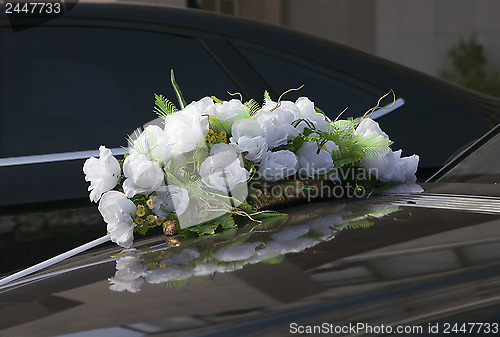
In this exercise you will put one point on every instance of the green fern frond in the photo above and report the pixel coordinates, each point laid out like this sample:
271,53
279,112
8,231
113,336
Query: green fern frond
220,124
341,130
341,158
252,107
163,106
373,145
267,96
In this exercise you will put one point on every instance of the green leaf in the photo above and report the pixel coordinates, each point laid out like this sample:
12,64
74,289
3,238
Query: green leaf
141,229
297,143
216,100
220,124
178,93
267,96
252,107
163,106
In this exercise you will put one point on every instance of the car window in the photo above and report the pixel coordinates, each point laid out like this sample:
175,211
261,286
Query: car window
478,164
331,90
74,88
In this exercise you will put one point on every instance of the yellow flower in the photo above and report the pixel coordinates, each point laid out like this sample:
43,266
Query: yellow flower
159,221
141,210
139,221
150,203
162,265
151,218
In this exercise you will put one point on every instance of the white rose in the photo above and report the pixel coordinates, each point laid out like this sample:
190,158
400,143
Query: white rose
248,127
103,173
306,111
143,176
223,171
370,128
170,199
185,129
313,163
153,143
406,168
392,167
277,133
116,210
254,146
278,165
228,111
284,114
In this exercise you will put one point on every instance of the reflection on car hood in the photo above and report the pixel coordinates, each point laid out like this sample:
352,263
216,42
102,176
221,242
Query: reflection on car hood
376,261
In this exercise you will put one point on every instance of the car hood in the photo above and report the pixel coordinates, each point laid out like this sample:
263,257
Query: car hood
403,260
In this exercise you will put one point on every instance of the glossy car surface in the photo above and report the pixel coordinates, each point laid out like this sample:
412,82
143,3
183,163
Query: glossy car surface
88,77
394,263
413,267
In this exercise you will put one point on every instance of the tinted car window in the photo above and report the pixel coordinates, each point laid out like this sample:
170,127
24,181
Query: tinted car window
330,90
74,88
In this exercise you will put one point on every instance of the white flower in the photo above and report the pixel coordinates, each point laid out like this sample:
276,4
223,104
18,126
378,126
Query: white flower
153,143
103,173
228,110
187,128
240,252
406,168
278,165
254,146
170,199
222,171
248,127
143,176
116,210
306,111
369,128
221,147
313,163
392,167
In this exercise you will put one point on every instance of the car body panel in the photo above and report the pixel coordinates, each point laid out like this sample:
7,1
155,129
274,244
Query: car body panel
414,266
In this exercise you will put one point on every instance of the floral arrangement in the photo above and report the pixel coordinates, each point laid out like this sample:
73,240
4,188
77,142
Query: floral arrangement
199,168
202,259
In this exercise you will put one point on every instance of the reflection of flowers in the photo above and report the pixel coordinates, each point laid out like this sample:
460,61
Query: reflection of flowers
177,264
129,272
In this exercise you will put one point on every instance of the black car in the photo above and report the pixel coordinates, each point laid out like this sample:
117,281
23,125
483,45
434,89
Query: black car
401,262
88,77
396,263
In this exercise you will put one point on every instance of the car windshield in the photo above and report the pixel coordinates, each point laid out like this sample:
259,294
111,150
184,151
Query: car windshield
480,163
